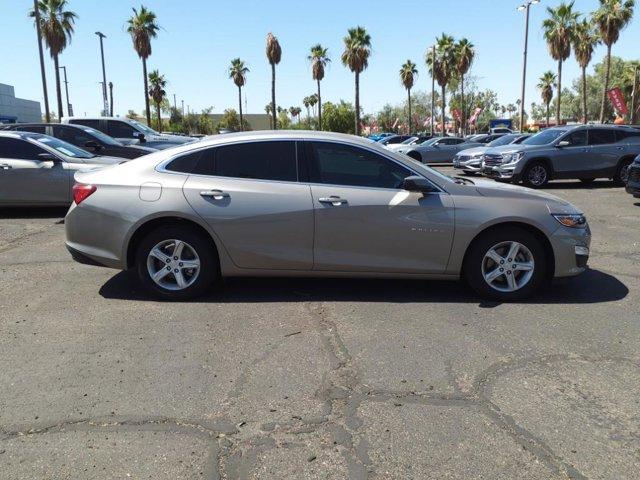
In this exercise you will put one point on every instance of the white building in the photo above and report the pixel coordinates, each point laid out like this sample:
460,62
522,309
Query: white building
14,109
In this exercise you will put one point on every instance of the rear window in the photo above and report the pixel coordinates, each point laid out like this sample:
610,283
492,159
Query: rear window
601,136
186,163
628,136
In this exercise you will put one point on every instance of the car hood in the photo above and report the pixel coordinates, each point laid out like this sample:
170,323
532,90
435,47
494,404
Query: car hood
514,148
472,151
173,138
493,189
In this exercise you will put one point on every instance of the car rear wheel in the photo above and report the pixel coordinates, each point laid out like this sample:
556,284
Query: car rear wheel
536,175
176,263
622,173
506,264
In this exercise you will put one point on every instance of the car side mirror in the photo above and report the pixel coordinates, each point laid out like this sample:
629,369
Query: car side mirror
140,137
93,145
414,183
562,144
48,157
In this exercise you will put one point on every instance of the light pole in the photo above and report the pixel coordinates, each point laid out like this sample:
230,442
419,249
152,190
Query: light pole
104,76
525,6
66,89
111,99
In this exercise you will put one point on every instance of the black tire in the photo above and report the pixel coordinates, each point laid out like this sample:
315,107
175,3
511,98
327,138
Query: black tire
207,273
620,177
587,181
415,156
475,262
536,175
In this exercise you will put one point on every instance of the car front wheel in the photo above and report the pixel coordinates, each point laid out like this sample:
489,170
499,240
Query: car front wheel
536,175
176,263
506,264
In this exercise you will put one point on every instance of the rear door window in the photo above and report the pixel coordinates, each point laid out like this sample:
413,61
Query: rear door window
19,149
627,136
257,160
602,136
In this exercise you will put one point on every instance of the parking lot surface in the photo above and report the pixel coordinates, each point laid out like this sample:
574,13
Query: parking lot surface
301,378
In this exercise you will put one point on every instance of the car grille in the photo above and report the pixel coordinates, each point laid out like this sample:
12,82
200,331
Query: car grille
492,160
463,158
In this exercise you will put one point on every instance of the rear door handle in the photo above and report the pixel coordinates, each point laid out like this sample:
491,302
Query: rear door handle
215,194
333,200
4,166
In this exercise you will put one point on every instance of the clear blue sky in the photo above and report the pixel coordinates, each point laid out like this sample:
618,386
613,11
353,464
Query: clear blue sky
200,37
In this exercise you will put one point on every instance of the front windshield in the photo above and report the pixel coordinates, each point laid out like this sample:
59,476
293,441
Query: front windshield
422,140
504,140
63,147
144,128
544,137
106,139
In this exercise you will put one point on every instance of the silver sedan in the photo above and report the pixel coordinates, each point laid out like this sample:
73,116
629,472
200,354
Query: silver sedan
316,204
37,170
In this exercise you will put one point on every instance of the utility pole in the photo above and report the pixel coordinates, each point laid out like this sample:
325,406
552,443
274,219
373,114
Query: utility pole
111,99
433,87
104,76
36,12
525,6
174,102
182,107
66,89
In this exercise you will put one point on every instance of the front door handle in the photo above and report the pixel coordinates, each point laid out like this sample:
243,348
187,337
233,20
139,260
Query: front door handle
215,194
333,200
4,166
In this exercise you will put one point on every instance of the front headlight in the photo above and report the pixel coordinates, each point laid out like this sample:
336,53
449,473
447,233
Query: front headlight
512,157
575,220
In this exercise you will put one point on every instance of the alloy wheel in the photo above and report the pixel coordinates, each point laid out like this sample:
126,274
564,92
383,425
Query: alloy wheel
173,264
624,173
508,266
537,175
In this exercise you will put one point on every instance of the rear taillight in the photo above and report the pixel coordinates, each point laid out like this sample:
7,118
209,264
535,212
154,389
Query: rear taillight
81,191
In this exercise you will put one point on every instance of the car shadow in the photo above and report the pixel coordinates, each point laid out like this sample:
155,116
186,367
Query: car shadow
578,185
593,286
37,212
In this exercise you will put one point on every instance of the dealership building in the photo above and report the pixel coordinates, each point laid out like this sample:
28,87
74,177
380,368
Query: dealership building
13,110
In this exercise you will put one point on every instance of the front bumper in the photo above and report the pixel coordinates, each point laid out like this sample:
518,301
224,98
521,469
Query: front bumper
571,248
472,165
501,172
633,184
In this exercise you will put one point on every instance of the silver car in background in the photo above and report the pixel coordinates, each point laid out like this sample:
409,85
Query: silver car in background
316,204
37,170
437,150
470,160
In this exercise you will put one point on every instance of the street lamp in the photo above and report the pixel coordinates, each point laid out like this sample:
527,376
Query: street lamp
66,88
104,76
525,6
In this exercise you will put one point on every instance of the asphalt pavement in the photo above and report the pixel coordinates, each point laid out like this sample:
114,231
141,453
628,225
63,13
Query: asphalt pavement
309,378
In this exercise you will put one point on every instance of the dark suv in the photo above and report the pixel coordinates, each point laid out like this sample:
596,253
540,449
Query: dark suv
633,178
87,138
584,152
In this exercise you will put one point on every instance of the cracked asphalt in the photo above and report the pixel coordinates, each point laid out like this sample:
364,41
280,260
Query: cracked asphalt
306,379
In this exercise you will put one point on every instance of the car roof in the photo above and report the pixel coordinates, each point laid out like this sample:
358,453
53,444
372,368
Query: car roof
21,135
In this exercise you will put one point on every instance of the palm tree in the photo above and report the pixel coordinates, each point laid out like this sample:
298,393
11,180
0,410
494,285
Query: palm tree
142,27
546,83
56,26
584,42
313,100
357,49
408,74
611,18
443,68
558,32
274,55
306,101
295,112
464,55
238,73
267,109
319,59
156,92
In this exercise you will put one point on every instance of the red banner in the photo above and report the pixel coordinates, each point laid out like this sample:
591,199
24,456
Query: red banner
617,100
457,114
474,117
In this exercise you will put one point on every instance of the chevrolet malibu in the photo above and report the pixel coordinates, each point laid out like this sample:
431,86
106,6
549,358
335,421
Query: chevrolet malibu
316,204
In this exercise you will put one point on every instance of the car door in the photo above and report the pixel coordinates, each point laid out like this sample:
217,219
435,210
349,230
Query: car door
604,152
25,179
250,196
573,159
364,221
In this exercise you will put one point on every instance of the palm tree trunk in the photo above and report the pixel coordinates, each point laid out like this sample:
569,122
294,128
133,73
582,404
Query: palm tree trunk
273,96
357,103
240,105
146,91
159,117
58,90
548,113
462,106
319,107
409,104
584,94
444,105
559,92
607,72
